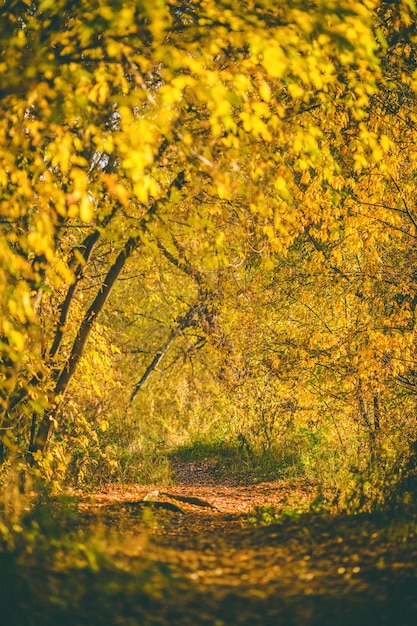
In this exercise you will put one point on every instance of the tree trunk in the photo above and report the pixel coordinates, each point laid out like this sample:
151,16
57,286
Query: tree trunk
40,440
152,366
42,437
183,322
86,250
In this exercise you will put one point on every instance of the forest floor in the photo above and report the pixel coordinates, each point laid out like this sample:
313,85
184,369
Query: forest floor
206,556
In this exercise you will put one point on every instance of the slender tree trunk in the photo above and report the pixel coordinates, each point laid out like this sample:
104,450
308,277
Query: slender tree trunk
183,322
63,379
377,413
152,366
86,250
362,409
40,440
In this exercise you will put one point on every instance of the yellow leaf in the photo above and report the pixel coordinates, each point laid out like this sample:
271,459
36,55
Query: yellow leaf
17,340
265,91
86,209
268,263
223,191
275,61
280,184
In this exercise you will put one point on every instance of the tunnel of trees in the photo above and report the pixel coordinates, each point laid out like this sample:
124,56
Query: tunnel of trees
208,229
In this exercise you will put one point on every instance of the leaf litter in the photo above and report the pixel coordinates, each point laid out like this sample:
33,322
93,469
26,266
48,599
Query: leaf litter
219,560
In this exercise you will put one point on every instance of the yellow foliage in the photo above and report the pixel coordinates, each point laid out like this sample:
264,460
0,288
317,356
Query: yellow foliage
292,130
86,209
274,61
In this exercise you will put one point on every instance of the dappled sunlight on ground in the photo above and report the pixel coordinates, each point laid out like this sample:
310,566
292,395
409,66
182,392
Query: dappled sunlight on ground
204,552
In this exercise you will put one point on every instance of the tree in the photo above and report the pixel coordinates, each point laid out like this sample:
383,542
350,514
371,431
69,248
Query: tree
136,128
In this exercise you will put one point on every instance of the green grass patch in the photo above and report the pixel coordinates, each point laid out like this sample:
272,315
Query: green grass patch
237,458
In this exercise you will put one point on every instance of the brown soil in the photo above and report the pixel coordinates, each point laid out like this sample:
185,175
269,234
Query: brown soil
206,565
228,503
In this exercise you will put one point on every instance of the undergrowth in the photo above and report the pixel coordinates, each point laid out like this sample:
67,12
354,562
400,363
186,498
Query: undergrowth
240,459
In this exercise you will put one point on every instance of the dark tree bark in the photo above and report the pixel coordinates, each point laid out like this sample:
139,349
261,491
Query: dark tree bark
190,318
64,377
152,366
85,249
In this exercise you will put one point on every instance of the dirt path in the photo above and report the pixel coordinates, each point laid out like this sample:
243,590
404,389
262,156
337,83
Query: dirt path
205,565
222,570
223,506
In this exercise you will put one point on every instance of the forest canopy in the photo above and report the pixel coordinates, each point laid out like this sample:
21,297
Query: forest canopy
208,226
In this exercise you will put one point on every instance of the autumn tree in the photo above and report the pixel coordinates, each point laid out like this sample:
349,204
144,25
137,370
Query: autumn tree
192,134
